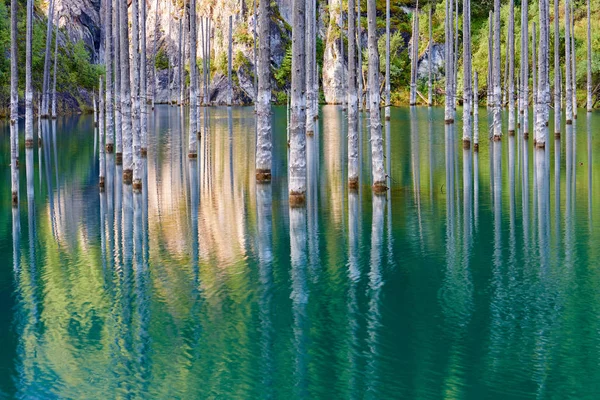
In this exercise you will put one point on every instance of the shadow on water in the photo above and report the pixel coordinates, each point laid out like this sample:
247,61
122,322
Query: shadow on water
478,282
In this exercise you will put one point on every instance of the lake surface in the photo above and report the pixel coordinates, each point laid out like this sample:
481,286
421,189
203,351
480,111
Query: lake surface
477,275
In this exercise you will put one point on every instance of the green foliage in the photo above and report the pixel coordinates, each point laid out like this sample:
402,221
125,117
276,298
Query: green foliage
283,74
162,60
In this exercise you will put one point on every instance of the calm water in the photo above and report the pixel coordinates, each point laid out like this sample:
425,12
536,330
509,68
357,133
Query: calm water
477,276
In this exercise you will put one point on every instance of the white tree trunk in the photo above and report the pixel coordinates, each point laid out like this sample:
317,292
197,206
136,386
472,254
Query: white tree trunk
297,159
264,141
46,76
14,104
557,112
511,68
353,156
154,53
574,62
359,51
429,83
543,81
194,125
467,94
55,68
378,169
108,65
534,70
143,84
490,76
229,63
568,75
101,135
497,110
126,123
589,58
476,110
524,102
28,78
449,106
310,76
387,59
179,79
117,71
135,95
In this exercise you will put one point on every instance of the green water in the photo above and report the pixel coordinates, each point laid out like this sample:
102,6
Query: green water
477,276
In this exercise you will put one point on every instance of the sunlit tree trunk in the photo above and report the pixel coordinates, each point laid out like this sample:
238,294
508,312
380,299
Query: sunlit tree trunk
455,59
46,77
194,126
449,106
315,101
135,94
490,76
297,160
573,62
543,81
154,53
95,107
387,61
179,78
264,142
568,76
255,55
101,136
511,68
414,58
353,161
429,83
534,70
126,96
589,58
108,65
14,104
310,76
497,110
143,84
378,169
359,51
28,82
117,71
229,63
54,71
468,96
557,112
476,111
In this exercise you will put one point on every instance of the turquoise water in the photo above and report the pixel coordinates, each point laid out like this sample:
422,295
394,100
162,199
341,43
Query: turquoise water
476,276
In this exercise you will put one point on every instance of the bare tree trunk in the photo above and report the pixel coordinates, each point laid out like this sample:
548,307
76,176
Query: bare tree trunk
194,131
315,102
557,112
449,109
574,62
490,77
297,159
353,156
255,57
310,76
264,141
135,95
170,64
359,51
534,69
154,53
108,59
378,168
511,69
28,81
387,60
468,96
429,83
95,109
505,89
568,75
118,87
414,58
54,71
180,62
101,133
543,81
497,111
589,58
46,81
126,96
14,104
143,84
455,60
524,103
475,110
342,80
229,61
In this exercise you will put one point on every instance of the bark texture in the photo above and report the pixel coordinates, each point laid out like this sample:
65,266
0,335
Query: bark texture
264,142
353,156
108,59
511,67
46,76
568,76
467,94
589,102
497,110
194,126
125,95
28,82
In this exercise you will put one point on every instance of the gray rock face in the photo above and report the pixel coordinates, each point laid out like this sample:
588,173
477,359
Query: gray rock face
437,62
81,20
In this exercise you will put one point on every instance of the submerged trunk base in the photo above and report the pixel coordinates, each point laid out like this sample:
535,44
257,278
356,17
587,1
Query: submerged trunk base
144,152
476,147
353,184
137,186
110,148
119,158
192,156
263,175
297,200
29,143
101,184
466,144
127,176
556,135
497,138
449,121
511,133
379,187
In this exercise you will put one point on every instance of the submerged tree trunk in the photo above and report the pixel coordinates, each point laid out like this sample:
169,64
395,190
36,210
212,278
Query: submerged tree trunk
135,95
264,142
229,63
467,95
28,82
179,79
54,71
378,169
387,60
543,76
449,109
101,134
589,59
14,104
490,76
429,83
534,70
353,156
557,85
108,65
310,76
46,77
297,160
574,62
126,96
414,58
194,125
475,110
117,71
155,74
568,76
143,84
361,102
255,56
511,68
497,111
